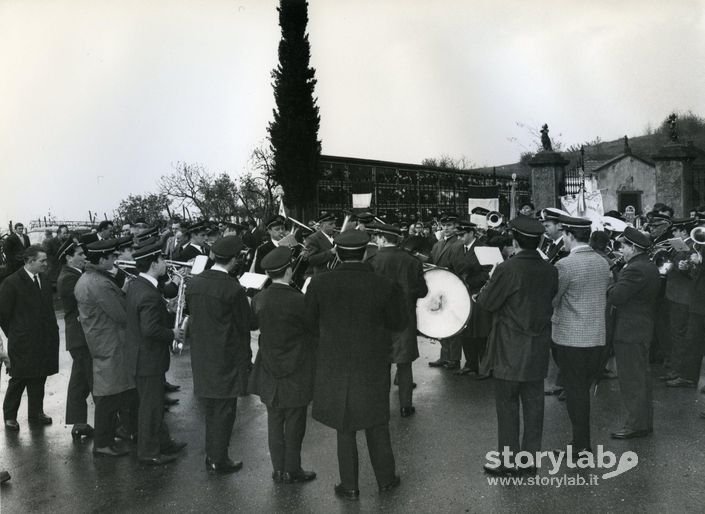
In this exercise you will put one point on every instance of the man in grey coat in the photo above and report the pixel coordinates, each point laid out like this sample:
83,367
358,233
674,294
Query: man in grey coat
579,323
101,307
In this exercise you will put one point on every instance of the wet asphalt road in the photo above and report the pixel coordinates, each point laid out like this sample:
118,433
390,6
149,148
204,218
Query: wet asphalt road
440,452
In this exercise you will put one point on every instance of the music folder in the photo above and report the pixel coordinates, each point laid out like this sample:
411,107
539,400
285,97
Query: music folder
488,255
253,280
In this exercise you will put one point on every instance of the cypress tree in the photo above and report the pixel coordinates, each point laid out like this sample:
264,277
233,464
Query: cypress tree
293,134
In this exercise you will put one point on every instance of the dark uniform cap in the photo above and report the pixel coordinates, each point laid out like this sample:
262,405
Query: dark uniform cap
365,217
277,260
66,247
145,234
635,237
325,217
104,246
227,247
480,211
198,227
146,242
352,240
384,228
448,218
465,226
683,223
274,221
569,221
147,251
124,242
527,226
657,216
551,214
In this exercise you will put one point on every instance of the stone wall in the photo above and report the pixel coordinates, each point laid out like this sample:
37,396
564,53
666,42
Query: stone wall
627,174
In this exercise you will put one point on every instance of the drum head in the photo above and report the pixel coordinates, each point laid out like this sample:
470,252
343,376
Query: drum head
445,310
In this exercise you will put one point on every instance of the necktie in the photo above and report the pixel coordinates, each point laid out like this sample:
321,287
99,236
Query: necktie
36,282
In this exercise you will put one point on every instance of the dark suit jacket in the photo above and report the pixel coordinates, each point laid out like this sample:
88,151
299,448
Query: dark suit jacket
27,317
14,248
219,333
467,267
284,367
75,338
520,295
148,324
353,309
88,238
441,252
190,252
319,254
634,296
407,272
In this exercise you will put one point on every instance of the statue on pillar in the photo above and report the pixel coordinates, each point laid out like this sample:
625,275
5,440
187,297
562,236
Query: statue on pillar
545,140
672,127
627,148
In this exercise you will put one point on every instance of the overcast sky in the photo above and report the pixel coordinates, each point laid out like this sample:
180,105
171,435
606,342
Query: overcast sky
99,98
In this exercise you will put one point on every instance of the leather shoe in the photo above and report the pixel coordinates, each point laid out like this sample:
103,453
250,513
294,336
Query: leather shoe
553,392
158,460
171,388
407,411
223,468
110,451
40,419
465,371
480,376
391,485
173,447
499,471
12,424
122,433
437,364
562,396
680,382
346,494
4,476
671,375
170,401
629,434
452,365
278,476
299,476
81,430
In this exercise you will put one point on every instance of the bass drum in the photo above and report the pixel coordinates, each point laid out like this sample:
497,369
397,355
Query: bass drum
445,310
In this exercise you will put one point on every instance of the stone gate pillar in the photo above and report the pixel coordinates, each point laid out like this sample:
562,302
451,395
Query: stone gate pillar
674,177
547,169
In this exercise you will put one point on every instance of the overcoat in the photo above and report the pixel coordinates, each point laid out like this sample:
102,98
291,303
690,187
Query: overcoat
441,253
14,247
102,312
407,272
318,246
27,318
519,294
634,297
468,268
284,367
149,326
579,306
353,310
65,285
220,321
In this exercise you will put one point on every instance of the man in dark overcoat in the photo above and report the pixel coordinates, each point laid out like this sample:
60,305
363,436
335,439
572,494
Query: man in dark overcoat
150,326
407,272
520,295
73,261
284,367
219,333
276,228
634,296
354,310
27,317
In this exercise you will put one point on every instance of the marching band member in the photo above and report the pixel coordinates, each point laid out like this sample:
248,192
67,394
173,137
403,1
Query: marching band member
552,243
101,304
353,310
148,325
319,246
634,297
579,330
219,332
442,255
197,242
284,367
276,227
407,272
519,294
73,259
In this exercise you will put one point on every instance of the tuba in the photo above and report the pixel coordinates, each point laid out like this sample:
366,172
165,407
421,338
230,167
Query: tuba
697,235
